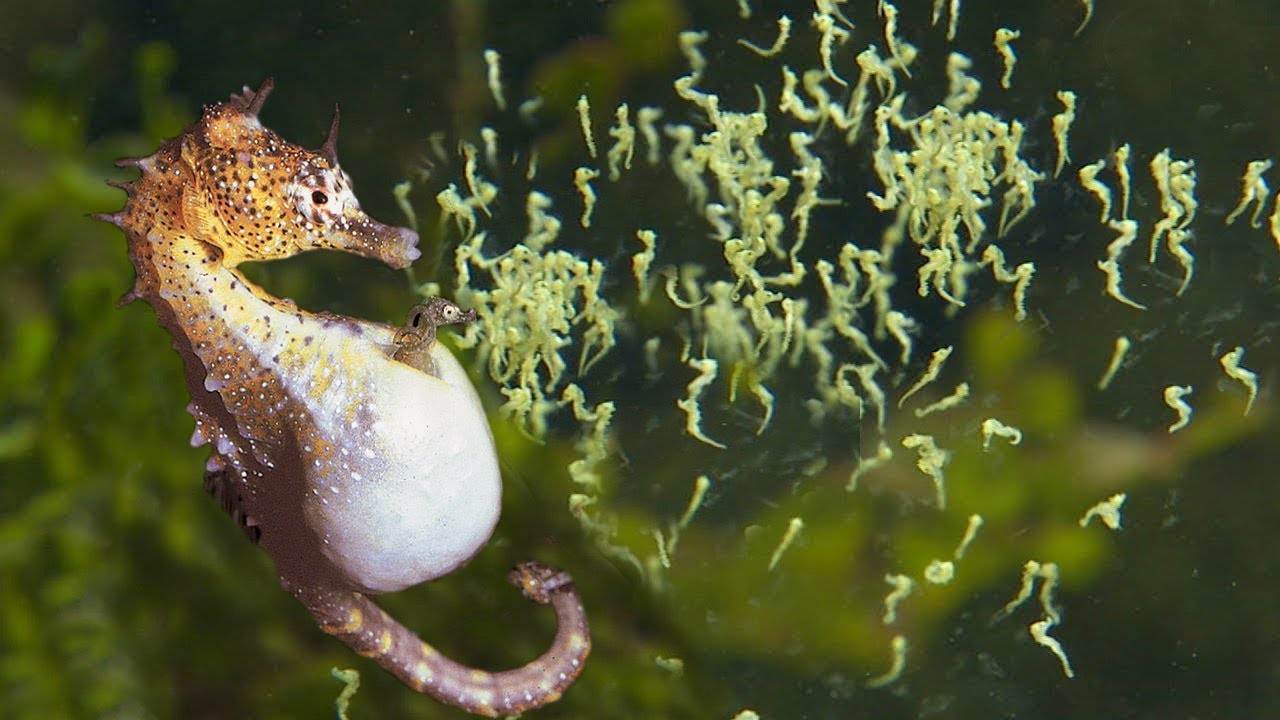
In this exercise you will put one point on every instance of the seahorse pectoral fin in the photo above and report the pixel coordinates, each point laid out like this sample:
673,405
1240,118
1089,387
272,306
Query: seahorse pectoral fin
199,219
355,620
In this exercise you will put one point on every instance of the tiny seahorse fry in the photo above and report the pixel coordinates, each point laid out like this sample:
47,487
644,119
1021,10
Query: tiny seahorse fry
356,454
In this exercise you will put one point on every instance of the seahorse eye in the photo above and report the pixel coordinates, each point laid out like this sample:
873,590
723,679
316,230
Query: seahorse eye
319,198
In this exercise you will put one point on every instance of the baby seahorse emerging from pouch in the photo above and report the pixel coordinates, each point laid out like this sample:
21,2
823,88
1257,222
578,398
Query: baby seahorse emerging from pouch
356,454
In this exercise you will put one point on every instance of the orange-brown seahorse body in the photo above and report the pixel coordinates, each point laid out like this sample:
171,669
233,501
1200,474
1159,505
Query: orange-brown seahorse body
355,453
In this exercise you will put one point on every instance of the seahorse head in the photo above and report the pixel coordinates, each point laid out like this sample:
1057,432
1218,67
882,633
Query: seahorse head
256,196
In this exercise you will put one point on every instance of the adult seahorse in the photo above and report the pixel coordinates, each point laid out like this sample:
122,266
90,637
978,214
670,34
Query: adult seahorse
356,454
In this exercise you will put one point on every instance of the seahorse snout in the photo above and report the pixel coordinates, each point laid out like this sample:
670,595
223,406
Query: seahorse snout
360,234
